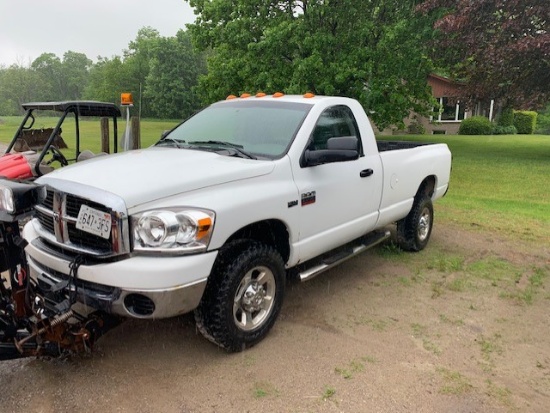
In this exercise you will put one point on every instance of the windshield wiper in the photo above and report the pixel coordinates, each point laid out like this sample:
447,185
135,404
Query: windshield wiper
171,141
237,148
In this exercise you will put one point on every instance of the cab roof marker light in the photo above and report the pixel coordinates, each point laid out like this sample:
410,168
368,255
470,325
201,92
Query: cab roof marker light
309,95
278,95
245,95
231,97
260,94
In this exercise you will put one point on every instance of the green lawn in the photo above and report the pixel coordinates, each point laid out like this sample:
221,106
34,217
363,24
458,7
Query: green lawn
498,183
89,131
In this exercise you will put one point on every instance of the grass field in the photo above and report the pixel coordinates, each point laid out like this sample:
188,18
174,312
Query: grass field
498,183
89,131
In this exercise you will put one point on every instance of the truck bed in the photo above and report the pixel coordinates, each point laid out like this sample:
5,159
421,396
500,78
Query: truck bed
384,146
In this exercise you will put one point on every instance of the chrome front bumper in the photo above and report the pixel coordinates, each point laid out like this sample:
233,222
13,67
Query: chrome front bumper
125,302
138,287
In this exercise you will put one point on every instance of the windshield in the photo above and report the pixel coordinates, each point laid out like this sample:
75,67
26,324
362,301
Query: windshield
265,129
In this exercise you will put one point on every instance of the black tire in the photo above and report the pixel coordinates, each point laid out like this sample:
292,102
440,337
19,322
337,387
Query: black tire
413,231
237,310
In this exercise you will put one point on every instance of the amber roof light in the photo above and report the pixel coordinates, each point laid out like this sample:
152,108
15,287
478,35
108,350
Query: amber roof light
126,99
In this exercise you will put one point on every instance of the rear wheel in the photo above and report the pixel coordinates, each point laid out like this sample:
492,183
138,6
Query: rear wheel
413,231
243,296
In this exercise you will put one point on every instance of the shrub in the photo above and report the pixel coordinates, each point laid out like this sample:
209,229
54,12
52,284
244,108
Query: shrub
506,117
416,128
525,121
543,121
504,130
543,125
476,125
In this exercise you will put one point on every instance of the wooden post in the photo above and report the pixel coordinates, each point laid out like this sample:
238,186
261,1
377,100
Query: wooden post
104,135
136,134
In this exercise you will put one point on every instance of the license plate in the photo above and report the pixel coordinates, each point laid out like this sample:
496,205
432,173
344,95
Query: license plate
94,221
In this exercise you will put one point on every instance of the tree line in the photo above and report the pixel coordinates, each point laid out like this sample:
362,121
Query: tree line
377,51
160,72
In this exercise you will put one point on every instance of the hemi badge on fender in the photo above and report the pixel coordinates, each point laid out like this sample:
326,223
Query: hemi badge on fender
308,198
292,203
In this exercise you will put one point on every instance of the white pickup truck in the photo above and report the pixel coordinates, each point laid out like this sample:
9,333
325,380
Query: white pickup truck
216,215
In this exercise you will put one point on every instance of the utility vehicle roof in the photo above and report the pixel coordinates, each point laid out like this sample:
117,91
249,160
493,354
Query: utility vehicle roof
84,108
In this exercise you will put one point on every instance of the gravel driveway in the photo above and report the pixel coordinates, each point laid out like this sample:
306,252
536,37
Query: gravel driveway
460,327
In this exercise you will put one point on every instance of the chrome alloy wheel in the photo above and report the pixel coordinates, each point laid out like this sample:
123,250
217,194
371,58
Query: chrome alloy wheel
424,224
254,298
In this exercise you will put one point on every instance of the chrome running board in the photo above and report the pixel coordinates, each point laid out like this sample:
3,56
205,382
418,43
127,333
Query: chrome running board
316,266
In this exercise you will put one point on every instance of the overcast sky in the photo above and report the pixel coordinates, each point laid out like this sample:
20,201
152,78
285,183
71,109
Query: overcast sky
29,28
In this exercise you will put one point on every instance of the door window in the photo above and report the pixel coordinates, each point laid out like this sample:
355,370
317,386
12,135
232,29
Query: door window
334,122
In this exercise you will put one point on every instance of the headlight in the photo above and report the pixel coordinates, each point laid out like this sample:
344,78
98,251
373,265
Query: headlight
6,199
17,199
172,230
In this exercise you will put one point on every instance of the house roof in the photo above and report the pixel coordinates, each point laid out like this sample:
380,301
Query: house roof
444,87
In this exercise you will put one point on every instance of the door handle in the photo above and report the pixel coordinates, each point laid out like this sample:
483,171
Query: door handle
366,172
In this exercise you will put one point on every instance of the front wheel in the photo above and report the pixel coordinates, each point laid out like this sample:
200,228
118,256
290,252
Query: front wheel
243,296
413,231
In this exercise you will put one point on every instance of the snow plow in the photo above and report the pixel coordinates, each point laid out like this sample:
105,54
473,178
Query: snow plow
37,320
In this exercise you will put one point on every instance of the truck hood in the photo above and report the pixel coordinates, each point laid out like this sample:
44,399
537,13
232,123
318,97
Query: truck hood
149,174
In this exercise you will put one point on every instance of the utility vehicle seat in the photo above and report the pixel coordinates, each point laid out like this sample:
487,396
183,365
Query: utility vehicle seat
87,154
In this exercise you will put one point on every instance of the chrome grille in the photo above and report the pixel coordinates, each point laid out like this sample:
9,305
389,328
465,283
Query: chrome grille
56,218
74,203
85,240
48,202
46,221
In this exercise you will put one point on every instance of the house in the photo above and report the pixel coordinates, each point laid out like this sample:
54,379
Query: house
445,119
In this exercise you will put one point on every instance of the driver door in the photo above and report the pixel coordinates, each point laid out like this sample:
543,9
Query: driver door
339,201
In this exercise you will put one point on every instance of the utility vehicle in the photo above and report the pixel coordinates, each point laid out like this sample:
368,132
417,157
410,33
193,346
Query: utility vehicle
33,150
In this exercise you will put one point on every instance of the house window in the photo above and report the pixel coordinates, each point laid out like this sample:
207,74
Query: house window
450,112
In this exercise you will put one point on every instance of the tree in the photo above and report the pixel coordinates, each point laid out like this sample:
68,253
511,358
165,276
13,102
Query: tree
175,69
501,48
48,65
18,85
137,59
108,79
164,70
7,106
75,74
370,50
63,80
